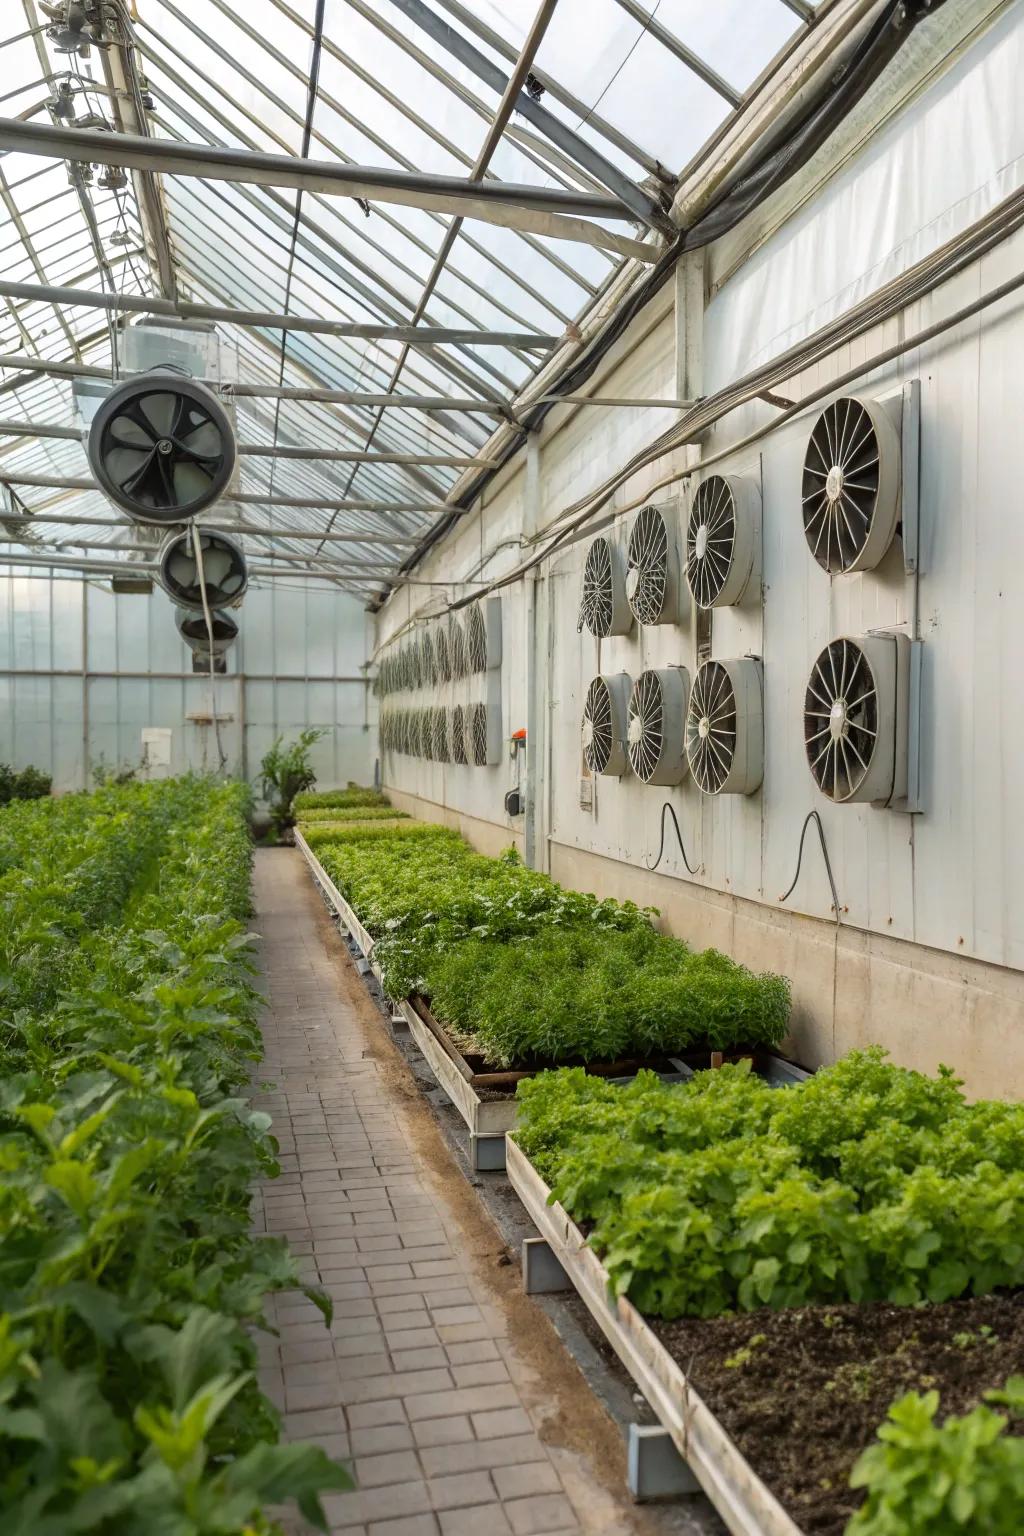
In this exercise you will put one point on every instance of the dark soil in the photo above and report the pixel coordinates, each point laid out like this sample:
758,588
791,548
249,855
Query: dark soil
806,1389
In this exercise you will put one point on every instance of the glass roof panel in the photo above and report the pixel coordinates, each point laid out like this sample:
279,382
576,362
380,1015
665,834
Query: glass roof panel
402,87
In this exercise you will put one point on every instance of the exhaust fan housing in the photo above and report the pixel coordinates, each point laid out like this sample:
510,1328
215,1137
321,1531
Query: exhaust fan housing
723,534
224,570
656,727
653,577
856,719
192,629
605,713
851,485
483,635
162,447
604,609
725,727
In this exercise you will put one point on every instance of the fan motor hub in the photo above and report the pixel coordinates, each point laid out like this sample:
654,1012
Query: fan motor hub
701,541
704,727
837,720
588,733
635,730
834,483
164,445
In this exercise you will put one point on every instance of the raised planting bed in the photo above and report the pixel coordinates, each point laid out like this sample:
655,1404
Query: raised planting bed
741,1498
350,921
771,1409
485,1098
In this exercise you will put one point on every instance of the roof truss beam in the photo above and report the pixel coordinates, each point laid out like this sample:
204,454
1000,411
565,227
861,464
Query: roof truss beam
559,214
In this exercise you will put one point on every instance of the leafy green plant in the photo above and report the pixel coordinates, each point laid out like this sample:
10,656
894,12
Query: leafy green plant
30,784
285,772
351,797
130,1278
724,1193
343,814
965,1475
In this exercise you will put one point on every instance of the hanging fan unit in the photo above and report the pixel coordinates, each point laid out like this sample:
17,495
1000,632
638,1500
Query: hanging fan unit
604,609
605,715
192,629
722,540
855,719
851,485
656,725
483,635
162,447
725,727
224,570
653,585
412,665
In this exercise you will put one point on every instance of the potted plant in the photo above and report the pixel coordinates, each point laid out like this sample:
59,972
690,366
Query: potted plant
285,771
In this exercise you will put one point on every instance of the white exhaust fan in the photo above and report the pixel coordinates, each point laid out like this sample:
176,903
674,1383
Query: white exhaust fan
162,447
458,735
483,635
725,727
723,534
653,579
605,720
440,745
483,735
442,654
855,719
224,570
604,609
851,485
428,658
656,727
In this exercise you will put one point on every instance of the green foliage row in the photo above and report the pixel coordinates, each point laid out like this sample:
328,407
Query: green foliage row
867,1182
951,1479
354,795
534,972
347,813
28,784
130,1280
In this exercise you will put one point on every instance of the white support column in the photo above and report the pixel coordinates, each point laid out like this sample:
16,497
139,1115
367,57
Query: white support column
536,680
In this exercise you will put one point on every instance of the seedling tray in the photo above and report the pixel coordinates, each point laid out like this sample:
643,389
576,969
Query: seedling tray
746,1505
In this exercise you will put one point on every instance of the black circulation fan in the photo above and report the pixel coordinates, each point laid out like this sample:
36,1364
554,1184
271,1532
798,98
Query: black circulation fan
224,570
162,447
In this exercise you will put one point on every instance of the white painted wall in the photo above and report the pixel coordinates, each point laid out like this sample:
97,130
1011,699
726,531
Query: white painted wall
933,905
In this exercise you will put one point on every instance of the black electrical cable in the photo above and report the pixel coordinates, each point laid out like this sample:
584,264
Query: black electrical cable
670,808
813,816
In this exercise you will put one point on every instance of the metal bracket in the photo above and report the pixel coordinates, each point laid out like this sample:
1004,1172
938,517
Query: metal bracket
543,1275
655,1469
486,1153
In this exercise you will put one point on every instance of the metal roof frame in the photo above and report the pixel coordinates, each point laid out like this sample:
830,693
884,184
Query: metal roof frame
376,340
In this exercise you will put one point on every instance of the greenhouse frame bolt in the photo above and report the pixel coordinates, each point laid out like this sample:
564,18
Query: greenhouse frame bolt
486,1153
654,1468
543,1275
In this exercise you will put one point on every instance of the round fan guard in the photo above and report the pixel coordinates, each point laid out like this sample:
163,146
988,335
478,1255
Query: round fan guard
162,447
224,570
603,608
721,540
849,719
725,727
851,485
192,629
652,574
656,724
604,724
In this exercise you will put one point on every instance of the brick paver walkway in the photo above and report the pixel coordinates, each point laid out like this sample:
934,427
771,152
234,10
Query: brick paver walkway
416,1381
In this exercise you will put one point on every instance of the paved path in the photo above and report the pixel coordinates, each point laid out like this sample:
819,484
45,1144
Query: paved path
446,1388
